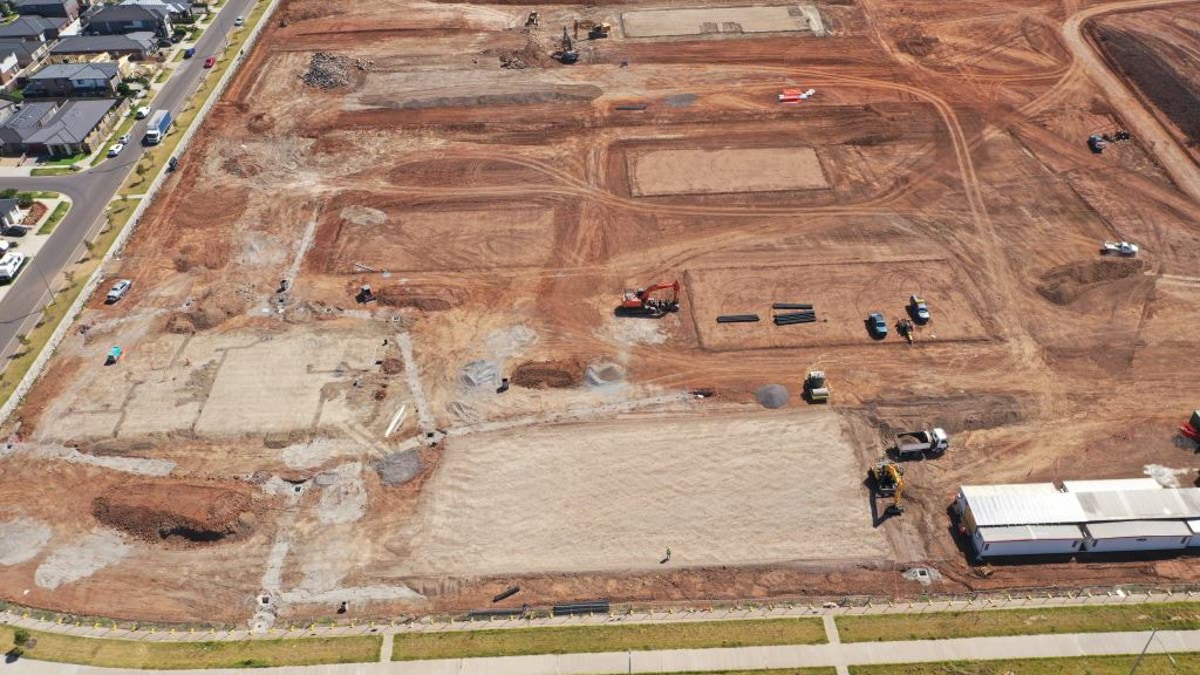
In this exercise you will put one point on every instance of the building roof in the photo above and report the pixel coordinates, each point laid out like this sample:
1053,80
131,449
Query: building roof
1179,503
171,5
992,535
1138,528
70,124
27,26
24,50
1021,504
77,71
130,13
1111,485
7,205
95,44
24,4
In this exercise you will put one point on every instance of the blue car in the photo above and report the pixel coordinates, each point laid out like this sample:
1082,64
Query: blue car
189,52
877,325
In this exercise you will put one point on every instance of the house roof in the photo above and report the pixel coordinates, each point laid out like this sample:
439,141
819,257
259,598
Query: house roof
95,44
129,13
27,26
7,205
71,124
30,115
172,5
24,50
77,71
1182,503
25,4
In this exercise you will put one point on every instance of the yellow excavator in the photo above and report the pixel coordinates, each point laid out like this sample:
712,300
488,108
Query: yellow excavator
888,479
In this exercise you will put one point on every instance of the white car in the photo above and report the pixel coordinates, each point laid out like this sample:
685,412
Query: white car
142,112
116,149
1122,248
125,139
240,21
118,290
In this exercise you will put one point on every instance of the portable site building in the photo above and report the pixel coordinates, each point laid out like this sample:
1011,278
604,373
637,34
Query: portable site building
1137,535
1194,526
1028,540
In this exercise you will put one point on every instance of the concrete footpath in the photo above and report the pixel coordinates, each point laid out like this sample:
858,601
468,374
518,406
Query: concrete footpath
741,658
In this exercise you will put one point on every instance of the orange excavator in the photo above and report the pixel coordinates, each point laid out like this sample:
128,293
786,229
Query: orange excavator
653,301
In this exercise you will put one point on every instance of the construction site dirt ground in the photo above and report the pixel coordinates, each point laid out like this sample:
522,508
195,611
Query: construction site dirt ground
270,447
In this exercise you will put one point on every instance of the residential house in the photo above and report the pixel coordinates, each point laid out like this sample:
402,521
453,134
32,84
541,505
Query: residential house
28,53
125,19
178,9
32,29
10,212
80,48
65,9
74,80
9,65
59,128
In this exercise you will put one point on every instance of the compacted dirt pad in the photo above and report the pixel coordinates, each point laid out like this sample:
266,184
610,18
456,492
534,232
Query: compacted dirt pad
372,352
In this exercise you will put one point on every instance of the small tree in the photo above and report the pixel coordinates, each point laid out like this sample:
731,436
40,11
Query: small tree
124,90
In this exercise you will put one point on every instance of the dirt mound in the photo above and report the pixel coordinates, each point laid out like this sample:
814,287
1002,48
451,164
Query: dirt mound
177,512
425,300
601,374
1063,285
243,166
548,374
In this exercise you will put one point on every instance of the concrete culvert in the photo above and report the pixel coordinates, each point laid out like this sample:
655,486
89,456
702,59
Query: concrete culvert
772,396
480,374
601,374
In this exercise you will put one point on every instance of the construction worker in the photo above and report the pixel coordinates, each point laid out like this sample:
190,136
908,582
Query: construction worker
668,557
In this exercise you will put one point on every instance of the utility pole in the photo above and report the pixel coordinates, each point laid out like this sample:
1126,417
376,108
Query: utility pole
44,281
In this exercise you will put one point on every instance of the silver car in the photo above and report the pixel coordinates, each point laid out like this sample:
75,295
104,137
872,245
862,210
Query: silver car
118,290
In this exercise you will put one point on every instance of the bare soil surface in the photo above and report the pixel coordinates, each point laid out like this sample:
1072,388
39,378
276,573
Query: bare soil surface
315,444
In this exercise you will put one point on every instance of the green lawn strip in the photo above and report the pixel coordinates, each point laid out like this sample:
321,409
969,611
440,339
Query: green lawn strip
55,218
773,671
65,161
942,625
178,56
179,655
153,159
1153,664
608,638
162,77
53,171
123,129
32,344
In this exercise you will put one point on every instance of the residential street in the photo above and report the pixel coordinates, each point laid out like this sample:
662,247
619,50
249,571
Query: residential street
92,190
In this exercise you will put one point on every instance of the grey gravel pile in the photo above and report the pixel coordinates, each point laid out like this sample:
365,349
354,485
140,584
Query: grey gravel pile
772,396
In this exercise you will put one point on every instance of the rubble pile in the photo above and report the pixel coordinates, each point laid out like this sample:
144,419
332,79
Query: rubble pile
331,71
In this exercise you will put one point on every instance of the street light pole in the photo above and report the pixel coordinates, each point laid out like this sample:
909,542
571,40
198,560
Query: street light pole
44,281
1138,661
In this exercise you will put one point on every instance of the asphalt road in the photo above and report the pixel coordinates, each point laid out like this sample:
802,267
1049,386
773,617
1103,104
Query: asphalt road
92,190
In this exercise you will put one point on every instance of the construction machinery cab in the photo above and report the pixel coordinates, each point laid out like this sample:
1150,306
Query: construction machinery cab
887,477
653,301
816,388
599,31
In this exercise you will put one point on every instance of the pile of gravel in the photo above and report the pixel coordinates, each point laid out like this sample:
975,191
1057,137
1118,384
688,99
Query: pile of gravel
772,396
480,374
331,71
399,468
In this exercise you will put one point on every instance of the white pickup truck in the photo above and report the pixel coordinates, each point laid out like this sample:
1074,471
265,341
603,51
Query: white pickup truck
933,441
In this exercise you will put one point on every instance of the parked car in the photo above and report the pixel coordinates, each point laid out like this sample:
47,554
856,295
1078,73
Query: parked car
240,21
877,325
126,139
189,52
118,291
142,112
116,149
210,62
918,309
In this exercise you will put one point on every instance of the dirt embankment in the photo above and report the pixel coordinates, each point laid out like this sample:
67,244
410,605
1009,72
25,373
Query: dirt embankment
181,513
1064,285
1164,72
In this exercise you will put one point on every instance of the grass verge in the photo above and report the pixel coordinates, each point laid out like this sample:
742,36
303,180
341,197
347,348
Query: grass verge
944,625
122,129
178,655
155,158
607,638
55,218
162,77
53,171
178,56
1154,664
